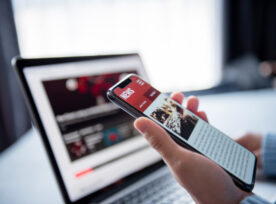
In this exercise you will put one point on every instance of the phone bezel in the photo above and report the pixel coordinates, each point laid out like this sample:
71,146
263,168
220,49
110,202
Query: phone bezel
136,113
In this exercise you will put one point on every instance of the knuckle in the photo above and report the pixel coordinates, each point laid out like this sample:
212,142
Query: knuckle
248,134
248,137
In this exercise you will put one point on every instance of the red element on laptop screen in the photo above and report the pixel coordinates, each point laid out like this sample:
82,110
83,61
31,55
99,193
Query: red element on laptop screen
138,93
81,173
113,137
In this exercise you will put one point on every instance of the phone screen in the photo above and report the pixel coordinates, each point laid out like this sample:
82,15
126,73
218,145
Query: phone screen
188,127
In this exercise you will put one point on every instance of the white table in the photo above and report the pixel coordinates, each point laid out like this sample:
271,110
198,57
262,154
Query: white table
26,175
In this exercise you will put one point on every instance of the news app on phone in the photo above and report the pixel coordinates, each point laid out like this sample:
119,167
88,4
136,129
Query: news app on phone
188,127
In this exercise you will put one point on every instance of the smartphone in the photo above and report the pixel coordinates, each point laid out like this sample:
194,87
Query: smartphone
139,98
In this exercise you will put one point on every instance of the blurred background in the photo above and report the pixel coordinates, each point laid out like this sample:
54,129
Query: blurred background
194,46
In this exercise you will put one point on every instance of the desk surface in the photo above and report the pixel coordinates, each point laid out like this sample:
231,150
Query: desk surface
26,175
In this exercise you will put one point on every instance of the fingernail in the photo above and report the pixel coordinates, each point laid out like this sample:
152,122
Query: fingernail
141,125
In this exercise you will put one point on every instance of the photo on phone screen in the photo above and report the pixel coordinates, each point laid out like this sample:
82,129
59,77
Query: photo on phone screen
189,128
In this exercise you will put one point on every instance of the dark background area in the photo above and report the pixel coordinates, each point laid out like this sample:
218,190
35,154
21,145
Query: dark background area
249,27
14,118
249,30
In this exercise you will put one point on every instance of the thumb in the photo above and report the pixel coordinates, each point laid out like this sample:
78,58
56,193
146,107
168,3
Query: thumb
159,139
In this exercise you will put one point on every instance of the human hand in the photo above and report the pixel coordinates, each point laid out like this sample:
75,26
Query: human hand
202,178
253,142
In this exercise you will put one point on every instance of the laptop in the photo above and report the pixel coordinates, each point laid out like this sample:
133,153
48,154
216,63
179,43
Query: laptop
95,152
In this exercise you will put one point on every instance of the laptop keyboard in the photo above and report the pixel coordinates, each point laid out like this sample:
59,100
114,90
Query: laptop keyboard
162,190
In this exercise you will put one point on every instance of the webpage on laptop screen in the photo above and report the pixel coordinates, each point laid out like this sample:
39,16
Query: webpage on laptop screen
90,137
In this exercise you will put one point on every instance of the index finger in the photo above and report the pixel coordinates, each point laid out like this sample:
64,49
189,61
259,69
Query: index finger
178,97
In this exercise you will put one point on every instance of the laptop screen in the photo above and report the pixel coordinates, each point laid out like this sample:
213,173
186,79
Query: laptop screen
93,141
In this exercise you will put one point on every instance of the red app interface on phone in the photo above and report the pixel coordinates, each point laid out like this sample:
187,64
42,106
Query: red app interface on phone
138,93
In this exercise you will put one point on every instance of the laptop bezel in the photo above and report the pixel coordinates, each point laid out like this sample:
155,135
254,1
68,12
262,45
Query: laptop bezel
19,65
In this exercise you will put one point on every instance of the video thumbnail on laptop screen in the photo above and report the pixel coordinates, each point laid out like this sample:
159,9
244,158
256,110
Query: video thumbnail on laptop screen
88,122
